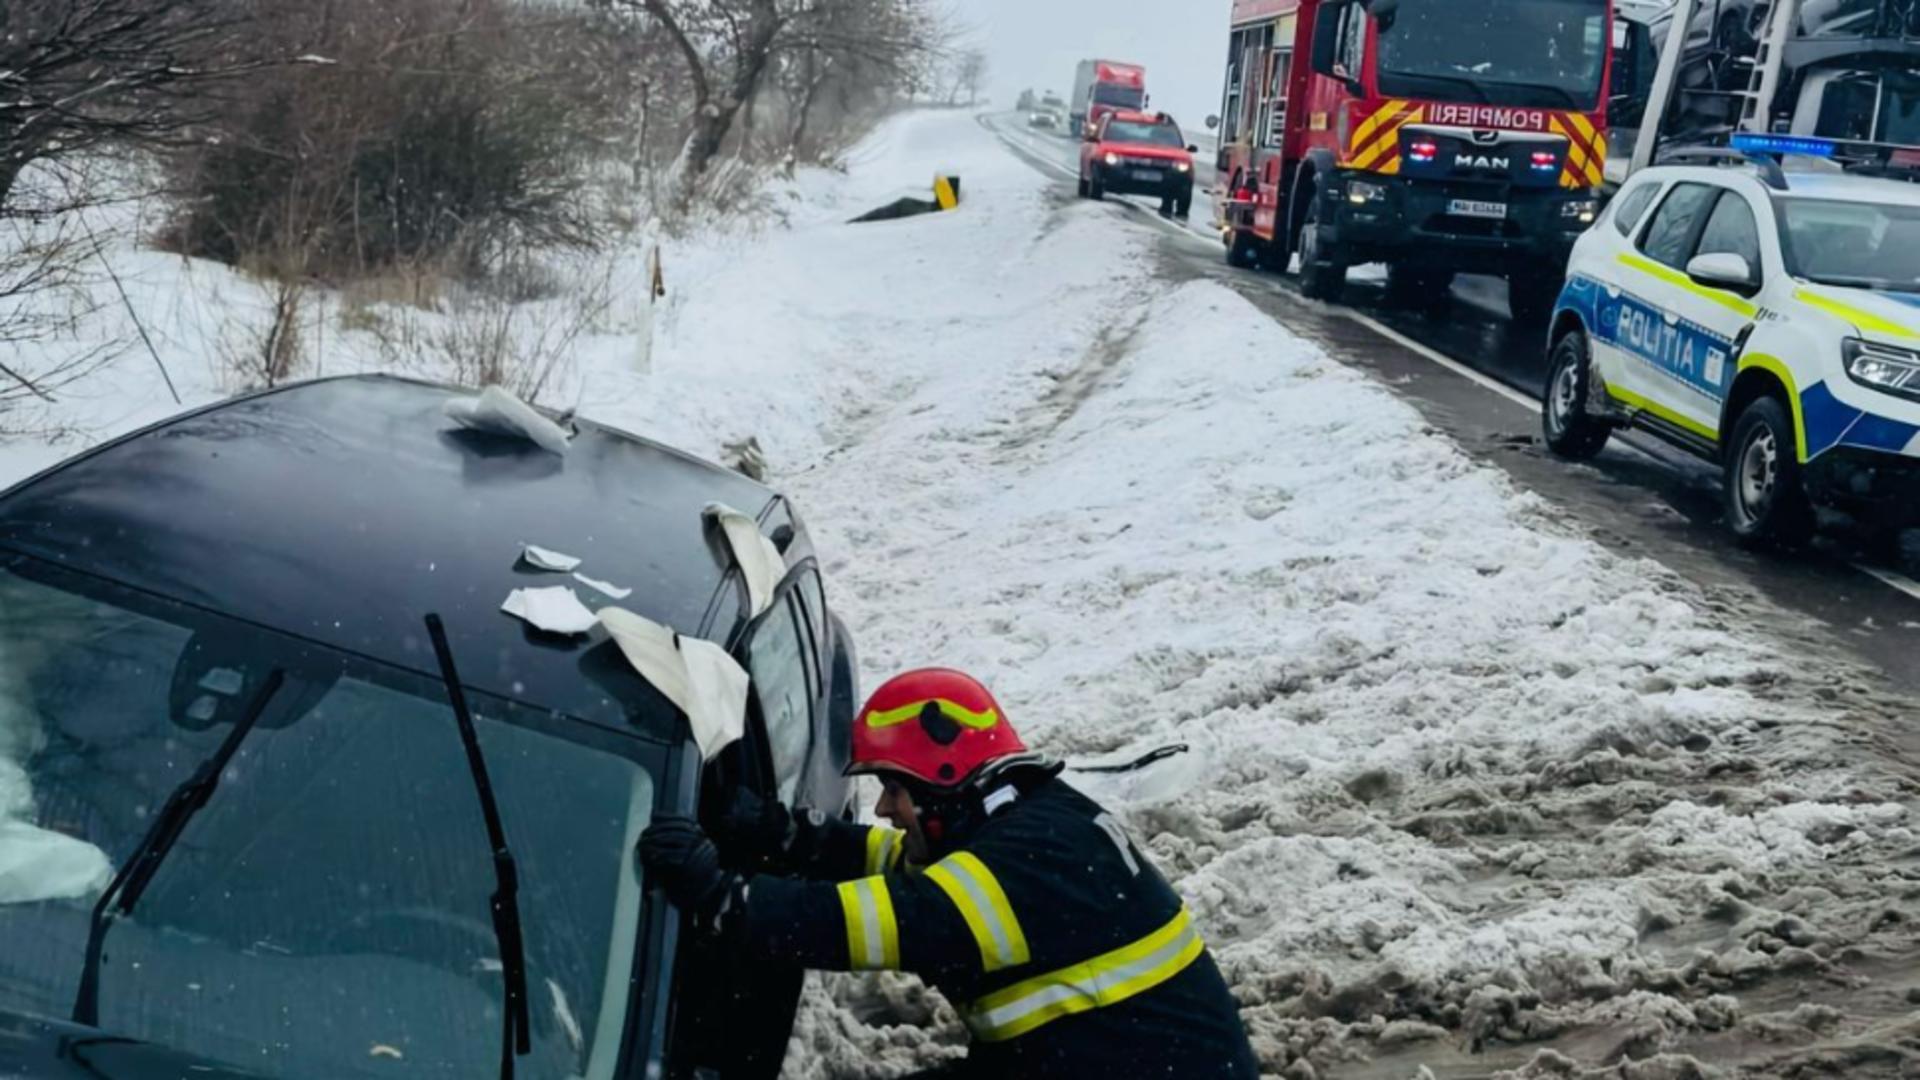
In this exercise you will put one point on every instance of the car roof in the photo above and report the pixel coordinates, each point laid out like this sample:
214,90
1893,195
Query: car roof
343,511
1136,116
1804,179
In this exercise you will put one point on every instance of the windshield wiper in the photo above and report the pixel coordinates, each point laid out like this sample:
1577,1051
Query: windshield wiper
126,888
517,1027
1479,91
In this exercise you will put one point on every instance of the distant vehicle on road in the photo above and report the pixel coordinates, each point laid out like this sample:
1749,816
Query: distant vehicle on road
1764,319
1044,118
166,606
1026,102
1100,87
1138,153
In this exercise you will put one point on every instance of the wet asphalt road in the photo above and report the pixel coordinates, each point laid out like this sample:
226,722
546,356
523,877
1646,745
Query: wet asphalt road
1477,376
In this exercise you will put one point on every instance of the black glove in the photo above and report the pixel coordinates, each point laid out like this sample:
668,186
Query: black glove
680,859
754,828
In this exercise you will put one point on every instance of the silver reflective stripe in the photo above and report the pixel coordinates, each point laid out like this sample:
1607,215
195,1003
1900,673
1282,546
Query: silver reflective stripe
870,922
1093,989
982,903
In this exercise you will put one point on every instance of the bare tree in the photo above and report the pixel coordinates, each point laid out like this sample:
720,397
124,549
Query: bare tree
77,74
970,74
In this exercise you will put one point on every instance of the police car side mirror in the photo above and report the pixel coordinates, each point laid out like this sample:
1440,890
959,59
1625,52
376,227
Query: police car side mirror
1724,270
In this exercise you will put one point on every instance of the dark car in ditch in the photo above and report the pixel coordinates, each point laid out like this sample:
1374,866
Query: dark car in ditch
242,824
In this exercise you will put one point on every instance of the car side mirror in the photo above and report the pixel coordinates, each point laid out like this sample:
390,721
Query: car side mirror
1724,270
1193,148
1326,41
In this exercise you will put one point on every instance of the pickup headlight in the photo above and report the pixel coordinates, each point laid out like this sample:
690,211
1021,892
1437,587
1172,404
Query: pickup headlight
1883,367
1181,166
1113,159
1360,192
1582,212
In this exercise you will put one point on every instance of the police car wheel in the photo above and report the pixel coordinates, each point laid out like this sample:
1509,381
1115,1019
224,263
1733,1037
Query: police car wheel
1766,499
1571,431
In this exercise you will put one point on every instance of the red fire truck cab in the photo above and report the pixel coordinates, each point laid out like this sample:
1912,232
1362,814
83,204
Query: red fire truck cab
1436,136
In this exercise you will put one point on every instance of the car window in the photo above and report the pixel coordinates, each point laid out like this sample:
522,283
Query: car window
1130,131
1851,244
1633,206
813,600
777,662
1353,40
1670,238
1732,231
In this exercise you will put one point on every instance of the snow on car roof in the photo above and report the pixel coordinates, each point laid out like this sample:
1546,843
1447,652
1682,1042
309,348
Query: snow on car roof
1852,187
343,511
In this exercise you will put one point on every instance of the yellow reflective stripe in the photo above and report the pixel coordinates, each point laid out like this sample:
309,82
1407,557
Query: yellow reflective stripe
1867,321
1681,281
1583,126
983,904
1388,144
1105,980
873,936
979,721
1779,371
1634,401
883,849
1372,124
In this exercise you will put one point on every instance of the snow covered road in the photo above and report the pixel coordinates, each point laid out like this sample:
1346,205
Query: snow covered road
1474,790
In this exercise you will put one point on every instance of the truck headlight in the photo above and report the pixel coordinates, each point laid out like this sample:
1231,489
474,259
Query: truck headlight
1582,212
1113,159
1360,193
1883,367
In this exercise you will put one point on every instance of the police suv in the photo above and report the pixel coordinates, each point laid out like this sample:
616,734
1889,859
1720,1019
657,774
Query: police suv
1762,318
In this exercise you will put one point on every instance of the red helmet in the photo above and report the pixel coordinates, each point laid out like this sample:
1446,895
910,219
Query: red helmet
936,725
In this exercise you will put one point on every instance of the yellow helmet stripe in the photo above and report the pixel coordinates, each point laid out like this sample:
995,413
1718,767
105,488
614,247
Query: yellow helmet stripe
979,721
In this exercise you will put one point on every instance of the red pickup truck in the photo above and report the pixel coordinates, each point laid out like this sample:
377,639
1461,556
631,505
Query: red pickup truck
1138,153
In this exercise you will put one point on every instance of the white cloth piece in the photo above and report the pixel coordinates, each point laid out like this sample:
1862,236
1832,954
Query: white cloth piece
556,610
604,587
500,413
759,559
542,559
697,676
38,865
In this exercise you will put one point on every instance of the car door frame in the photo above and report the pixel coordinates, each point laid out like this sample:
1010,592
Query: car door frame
1675,342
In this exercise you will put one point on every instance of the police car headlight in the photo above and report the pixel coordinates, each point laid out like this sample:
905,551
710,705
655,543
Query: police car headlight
1883,367
1582,212
1360,193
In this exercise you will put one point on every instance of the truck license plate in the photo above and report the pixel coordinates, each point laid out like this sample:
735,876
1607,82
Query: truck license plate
1152,175
1474,208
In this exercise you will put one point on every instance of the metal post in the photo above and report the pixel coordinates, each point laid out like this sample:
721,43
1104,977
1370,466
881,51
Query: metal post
1665,78
1758,113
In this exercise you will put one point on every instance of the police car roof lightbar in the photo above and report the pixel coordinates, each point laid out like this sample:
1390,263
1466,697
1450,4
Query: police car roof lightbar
1756,143
1771,174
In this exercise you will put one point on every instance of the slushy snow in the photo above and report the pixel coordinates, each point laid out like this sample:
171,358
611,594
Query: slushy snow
1469,794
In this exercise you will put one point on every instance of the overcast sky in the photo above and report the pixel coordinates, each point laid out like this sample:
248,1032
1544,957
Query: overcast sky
1182,44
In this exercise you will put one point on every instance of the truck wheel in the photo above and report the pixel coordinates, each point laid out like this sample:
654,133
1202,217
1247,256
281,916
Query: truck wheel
1418,290
1766,494
1531,297
1321,278
1572,432
1243,252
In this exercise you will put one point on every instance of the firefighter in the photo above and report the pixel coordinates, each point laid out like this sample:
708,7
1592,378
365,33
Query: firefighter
1064,950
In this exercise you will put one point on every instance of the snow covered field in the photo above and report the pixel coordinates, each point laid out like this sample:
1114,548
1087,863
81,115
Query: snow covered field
1469,793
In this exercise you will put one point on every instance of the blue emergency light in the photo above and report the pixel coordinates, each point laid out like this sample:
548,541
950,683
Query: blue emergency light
1753,142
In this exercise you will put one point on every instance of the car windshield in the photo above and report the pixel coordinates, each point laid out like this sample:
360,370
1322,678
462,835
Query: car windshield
326,913
1859,18
1543,52
1120,97
1852,244
1122,131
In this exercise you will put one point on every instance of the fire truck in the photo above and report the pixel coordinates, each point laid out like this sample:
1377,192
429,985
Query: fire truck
1102,86
1436,136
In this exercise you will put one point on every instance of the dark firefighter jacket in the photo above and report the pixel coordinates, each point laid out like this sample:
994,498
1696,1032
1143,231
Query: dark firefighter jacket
1065,951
